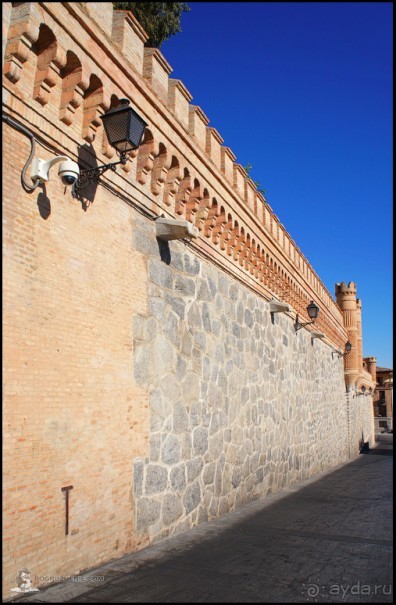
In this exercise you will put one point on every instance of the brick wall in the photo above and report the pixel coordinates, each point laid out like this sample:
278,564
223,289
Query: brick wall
73,412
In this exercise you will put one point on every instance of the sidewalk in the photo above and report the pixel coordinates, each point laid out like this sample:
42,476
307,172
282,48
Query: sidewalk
324,540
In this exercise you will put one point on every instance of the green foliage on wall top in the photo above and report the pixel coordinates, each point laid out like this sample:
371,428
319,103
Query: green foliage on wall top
160,20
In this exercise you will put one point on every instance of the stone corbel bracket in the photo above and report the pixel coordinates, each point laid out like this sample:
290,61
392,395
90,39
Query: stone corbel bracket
317,334
169,228
277,306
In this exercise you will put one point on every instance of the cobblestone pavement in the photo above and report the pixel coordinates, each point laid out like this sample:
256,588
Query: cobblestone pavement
324,540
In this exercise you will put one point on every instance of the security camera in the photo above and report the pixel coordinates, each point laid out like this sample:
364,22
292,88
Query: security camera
68,170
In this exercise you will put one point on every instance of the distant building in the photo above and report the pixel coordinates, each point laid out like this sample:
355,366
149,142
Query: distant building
383,394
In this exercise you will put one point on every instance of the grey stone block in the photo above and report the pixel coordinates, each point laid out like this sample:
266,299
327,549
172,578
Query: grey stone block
145,224
245,395
216,445
138,467
156,479
178,305
192,497
184,286
194,317
145,243
178,477
155,447
223,285
180,368
160,273
218,481
195,414
209,473
177,260
163,357
171,450
202,514
157,307
200,339
249,321
148,512
191,388
171,328
239,313
236,329
233,292
204,292
194,468
180,418
191,265
236,477
186,344
212,287
200,440
206,318
171,508
142,367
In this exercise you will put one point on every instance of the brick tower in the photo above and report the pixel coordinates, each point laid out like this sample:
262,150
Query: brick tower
346,300
371,363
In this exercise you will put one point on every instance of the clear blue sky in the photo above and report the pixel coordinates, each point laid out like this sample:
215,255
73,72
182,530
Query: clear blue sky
303,92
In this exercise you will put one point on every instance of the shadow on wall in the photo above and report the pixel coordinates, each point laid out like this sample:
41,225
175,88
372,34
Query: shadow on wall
87,160
164,251
44,204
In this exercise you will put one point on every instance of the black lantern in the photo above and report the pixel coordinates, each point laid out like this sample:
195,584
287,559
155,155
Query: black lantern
124,127
124,130
348,349
313,311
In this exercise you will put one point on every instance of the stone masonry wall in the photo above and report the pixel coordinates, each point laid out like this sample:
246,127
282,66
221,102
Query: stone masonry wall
360,421
238,406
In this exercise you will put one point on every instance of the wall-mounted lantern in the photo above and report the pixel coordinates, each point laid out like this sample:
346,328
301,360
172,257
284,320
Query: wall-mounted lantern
124,130
124,127
313,311
348,349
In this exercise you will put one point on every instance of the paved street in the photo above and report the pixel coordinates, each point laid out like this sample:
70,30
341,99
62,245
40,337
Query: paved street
328,539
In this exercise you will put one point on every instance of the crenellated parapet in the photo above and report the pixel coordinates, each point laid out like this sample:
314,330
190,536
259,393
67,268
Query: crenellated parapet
68,77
